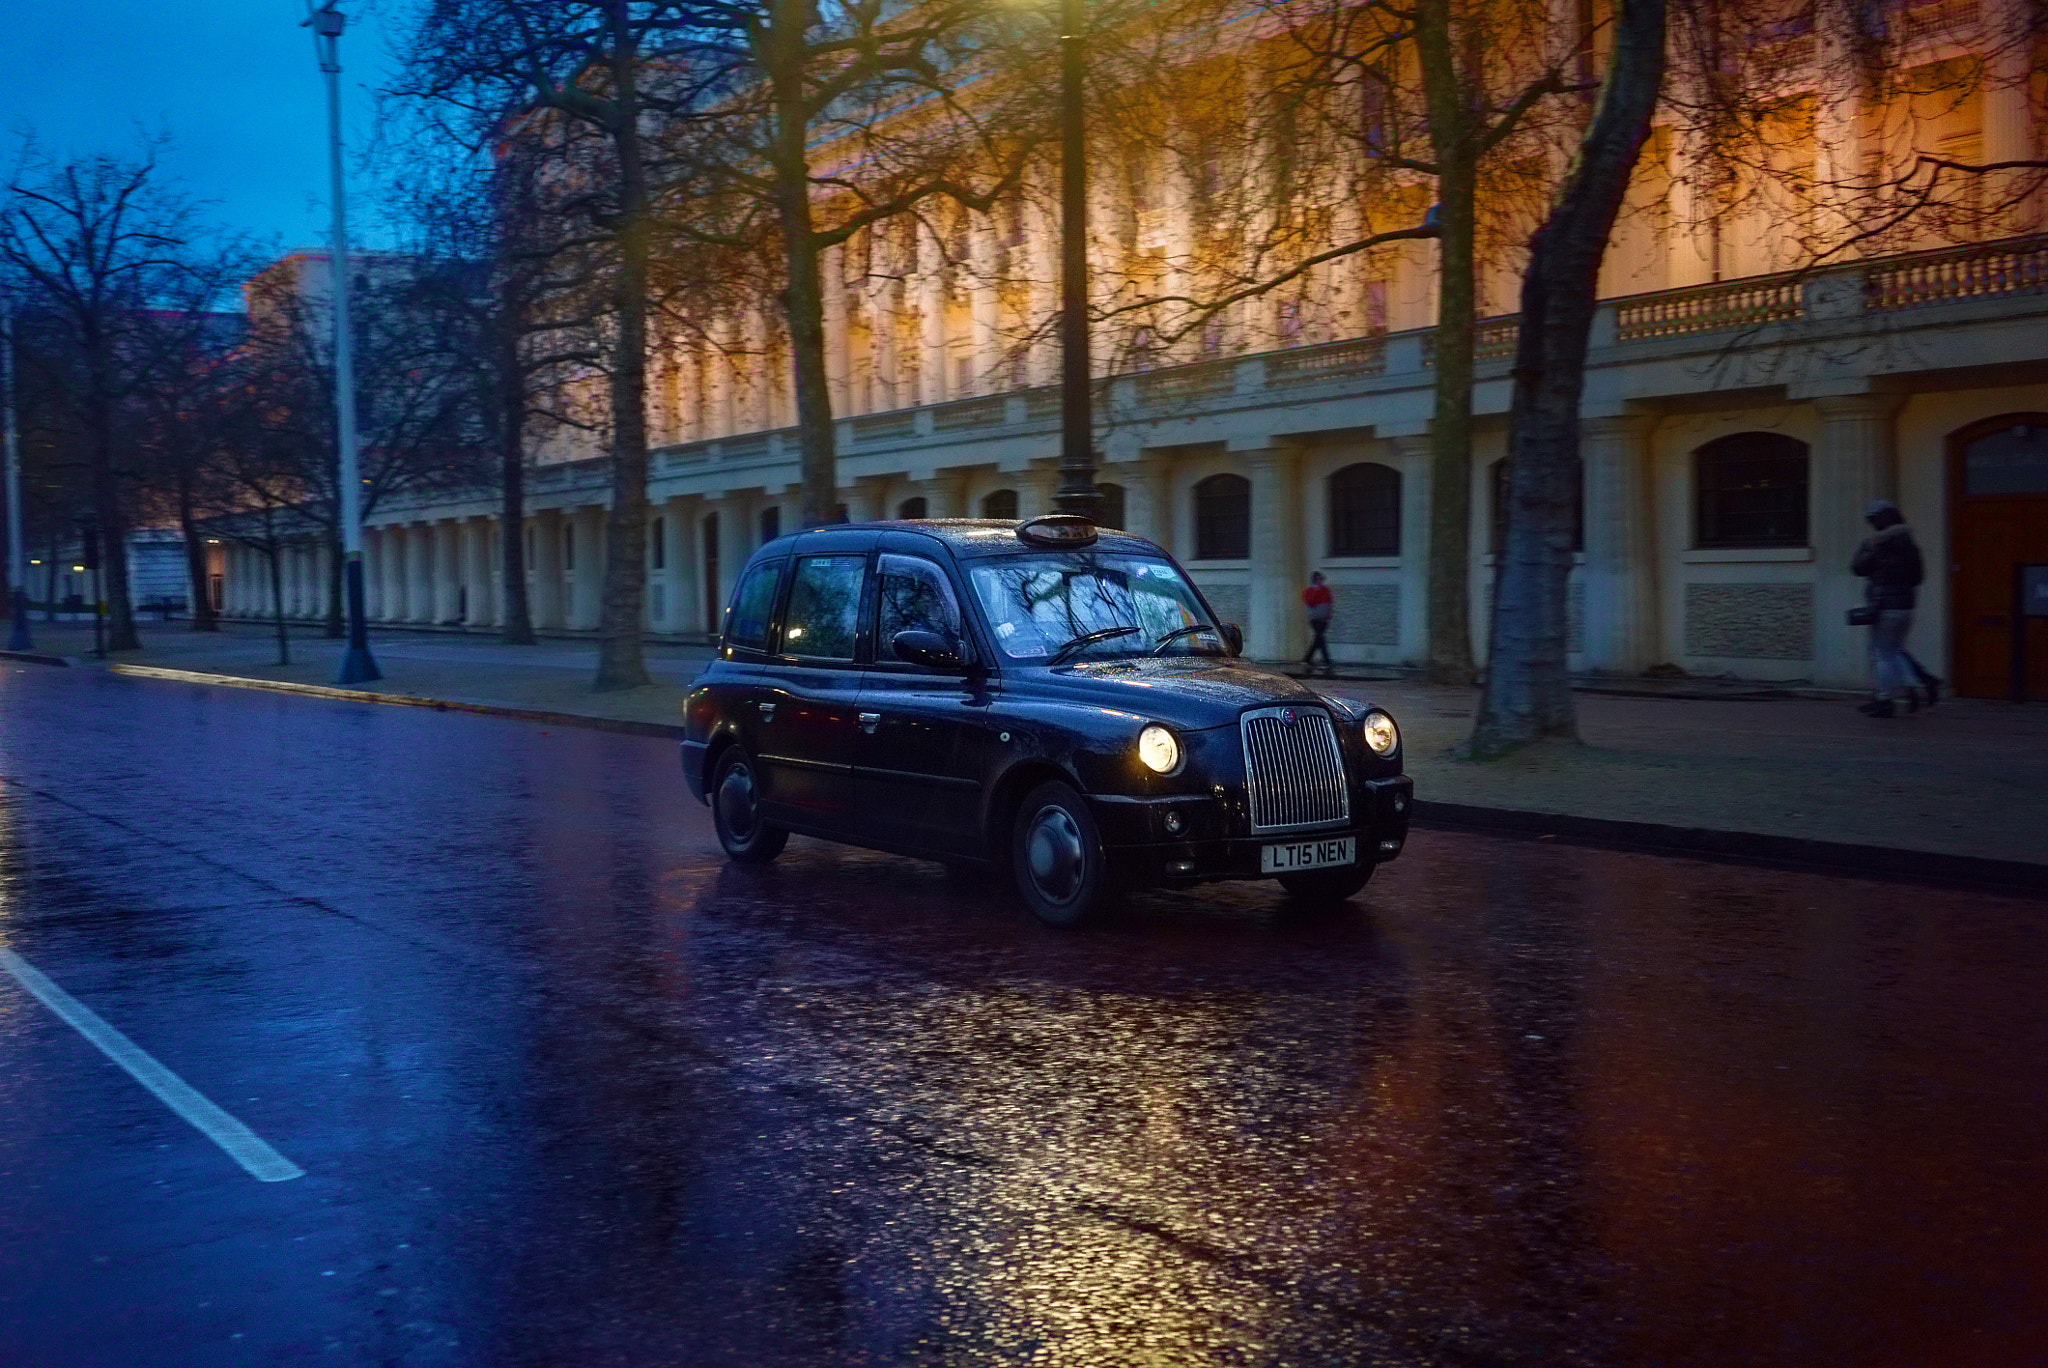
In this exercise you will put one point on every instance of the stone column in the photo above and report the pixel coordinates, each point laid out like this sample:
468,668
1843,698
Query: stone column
1275,631
419,577
1148,497
473,539
1411,458
987,345
544,599
833,267
675,574
588,608
1036,487
863,504
447,535
931,296
373,578
391,600
1621,630
2009,127
1855,462
945,494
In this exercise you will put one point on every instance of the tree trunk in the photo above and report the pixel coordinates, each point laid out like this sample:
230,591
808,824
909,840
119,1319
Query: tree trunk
274,553
203,617
803,298
106,498
1528,689
621,654
1451,129
517,628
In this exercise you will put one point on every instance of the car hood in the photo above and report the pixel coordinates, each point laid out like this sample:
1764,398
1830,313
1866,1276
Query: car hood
1188,691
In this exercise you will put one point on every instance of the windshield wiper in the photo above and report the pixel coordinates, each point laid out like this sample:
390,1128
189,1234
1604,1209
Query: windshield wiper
1179,632
1088,639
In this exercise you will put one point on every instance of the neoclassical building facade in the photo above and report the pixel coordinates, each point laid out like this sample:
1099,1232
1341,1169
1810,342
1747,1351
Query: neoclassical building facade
1738,419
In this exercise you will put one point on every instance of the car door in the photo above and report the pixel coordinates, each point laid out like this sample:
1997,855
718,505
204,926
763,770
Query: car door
807,732
745,688
918,761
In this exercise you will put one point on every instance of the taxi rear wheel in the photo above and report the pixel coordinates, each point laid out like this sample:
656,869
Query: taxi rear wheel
1326,887
736,812
1056,856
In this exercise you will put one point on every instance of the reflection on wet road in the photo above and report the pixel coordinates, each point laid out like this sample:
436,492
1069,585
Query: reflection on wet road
569,1089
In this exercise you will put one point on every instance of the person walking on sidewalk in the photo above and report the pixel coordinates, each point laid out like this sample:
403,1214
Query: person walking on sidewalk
1889,563
1320,603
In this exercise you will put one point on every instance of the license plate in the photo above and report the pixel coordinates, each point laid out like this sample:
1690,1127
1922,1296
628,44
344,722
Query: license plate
1293,855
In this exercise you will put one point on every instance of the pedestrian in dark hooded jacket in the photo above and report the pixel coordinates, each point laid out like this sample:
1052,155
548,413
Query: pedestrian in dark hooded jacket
1889,563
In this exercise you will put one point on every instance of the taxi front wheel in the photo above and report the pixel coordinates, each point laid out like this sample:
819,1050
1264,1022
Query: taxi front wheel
736,812
1326,887
1056,856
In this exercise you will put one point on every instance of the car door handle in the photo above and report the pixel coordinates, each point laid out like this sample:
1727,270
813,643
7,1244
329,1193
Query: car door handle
869,721
767,712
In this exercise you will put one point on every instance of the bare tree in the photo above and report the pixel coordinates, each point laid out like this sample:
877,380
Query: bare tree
1528,691
106,251
583,74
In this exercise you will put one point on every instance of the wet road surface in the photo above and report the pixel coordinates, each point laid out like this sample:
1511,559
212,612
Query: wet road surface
567,1089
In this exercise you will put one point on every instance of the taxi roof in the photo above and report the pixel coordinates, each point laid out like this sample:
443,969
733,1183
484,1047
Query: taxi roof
965,537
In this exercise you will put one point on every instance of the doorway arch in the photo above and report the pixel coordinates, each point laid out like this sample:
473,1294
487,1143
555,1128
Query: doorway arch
1997,520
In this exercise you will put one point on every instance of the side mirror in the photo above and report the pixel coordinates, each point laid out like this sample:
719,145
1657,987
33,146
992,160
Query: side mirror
1233,638
927,648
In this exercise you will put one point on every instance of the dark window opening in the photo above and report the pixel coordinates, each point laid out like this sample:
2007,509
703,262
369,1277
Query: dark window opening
999,503
912,507
657,546
1223,518
1109,505
1365,510
1750,489
771,523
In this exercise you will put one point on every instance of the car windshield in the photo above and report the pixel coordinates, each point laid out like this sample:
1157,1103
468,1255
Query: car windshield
1037,604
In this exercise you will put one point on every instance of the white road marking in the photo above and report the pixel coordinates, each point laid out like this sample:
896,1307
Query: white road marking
243,1145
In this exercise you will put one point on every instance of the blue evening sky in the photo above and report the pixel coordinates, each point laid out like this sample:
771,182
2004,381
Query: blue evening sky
234,83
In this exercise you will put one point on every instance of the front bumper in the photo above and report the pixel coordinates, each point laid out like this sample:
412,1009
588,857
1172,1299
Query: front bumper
1135,837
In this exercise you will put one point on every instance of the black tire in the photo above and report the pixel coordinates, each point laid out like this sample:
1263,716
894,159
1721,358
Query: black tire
736,812
1056,857
1321,888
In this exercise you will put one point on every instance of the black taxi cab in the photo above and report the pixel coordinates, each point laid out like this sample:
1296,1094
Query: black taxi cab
1046,699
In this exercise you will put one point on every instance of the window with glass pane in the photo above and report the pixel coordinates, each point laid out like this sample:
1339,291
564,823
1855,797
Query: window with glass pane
824,605
1109,509
1750,490
746,621
1365,511
1037,604
2012,460
915,597
1223,518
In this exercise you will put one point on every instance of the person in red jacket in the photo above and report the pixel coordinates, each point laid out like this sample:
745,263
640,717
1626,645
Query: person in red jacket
1320,603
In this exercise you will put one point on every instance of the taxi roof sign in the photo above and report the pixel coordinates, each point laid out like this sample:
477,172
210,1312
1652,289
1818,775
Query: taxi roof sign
1061,531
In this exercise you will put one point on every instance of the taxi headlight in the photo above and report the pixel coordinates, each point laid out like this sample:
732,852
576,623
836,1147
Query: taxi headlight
1159,749
1380,733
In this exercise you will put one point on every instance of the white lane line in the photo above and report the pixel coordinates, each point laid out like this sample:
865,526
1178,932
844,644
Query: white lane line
243,1145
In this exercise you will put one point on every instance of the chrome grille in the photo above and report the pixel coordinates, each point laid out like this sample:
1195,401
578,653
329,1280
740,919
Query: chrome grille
1293,770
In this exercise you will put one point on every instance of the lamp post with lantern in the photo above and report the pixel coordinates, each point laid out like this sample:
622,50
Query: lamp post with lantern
357,664
1077,491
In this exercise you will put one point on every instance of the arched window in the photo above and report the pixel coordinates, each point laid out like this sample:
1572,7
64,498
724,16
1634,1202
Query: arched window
1750,490
1109,508
1365,510
912,507
999,503
1497,479
1223,518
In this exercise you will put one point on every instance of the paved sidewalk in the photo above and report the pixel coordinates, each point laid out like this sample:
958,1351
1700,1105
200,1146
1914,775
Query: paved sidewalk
1968,778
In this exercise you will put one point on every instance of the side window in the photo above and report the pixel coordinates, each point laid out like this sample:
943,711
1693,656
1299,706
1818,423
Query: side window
746,618
824,606
916,596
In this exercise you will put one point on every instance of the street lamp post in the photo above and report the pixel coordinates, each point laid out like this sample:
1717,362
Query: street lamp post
357,664
1077,492
17,550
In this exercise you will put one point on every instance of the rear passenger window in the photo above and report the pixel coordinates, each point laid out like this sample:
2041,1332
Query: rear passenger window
824,606
746,618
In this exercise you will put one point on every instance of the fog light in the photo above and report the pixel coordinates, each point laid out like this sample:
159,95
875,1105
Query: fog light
1174,824
1389,847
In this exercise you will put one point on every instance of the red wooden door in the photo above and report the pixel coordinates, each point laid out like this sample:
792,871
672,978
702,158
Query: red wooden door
1998,519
